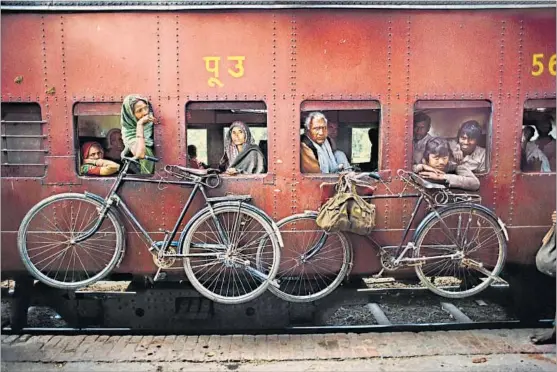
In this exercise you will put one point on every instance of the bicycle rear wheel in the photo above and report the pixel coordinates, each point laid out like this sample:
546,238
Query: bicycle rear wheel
477,240
234,254
47,247
303,276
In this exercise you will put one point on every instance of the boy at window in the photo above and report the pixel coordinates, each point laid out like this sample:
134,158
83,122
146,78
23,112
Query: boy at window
94,163
317,152
422,124
466,150
436,166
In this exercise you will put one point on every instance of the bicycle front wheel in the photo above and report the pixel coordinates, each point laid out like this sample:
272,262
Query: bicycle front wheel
313,262
232,254
476,243
46,241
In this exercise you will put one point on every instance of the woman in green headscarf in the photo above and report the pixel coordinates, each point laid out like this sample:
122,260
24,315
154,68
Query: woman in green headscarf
137,129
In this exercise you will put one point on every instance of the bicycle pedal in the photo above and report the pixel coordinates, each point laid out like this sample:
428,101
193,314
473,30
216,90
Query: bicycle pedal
160,275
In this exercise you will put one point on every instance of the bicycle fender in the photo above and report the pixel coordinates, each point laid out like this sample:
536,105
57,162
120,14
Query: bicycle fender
235,204
431,215
95,197
260,212
100,200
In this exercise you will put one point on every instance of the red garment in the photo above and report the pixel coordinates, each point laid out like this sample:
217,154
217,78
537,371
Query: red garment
193,163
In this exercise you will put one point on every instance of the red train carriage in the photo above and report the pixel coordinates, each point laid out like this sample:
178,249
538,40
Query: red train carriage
66,68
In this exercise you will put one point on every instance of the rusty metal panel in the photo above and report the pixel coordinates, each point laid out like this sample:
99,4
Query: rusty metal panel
445,56
228,54
538,30
111,55
22,56
341,52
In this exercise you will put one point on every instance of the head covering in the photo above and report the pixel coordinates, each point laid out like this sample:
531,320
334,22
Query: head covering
129,122
230,148
86,147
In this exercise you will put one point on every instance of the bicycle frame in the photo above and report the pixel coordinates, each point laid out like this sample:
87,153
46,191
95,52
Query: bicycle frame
114,199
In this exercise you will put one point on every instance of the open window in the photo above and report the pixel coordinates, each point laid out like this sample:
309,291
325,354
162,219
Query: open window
350,131
465,125
538,136
209,137
98,123
23,151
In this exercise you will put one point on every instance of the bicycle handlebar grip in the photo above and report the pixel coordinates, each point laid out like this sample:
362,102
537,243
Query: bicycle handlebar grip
151,158
375,176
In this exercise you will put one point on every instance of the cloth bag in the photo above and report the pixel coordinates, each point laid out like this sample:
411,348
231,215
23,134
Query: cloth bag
547,254
347,211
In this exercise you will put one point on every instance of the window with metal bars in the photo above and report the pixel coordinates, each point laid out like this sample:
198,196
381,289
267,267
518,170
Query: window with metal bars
23,140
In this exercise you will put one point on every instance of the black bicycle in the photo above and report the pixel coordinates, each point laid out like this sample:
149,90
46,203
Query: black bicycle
230,248
457,250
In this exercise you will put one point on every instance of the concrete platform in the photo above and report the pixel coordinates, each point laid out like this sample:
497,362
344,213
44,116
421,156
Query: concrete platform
485,350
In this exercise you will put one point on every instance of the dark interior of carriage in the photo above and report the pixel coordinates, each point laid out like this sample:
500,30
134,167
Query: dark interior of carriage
353,126
207,124
448,116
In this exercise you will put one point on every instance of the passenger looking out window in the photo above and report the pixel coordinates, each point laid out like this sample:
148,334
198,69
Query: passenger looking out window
318,153
422,124
241,154
465,148
437,166
115,145
533,159
94,163
137,130
545,141
193,162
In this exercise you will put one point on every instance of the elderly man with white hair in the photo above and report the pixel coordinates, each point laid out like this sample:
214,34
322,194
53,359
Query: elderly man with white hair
318,154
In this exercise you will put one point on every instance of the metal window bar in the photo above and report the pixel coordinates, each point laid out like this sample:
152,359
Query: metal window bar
25,150
12,150
23,136
23,121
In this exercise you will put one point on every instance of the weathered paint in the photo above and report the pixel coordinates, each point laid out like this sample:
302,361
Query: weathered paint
395,57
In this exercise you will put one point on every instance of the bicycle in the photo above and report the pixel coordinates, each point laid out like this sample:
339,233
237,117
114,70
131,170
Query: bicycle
72,240
457,250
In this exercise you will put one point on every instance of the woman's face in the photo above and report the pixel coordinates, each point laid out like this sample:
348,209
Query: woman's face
95,153
140,109
238,136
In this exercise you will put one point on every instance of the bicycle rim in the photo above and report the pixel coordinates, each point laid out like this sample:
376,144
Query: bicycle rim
305,280
46,246
236,271
471,231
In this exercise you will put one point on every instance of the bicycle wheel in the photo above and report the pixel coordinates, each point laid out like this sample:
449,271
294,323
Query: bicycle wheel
234,254
47,247
329,258
476,239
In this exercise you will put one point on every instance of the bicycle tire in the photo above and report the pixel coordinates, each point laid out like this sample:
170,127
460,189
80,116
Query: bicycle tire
488,247
247,242
64,205
296,288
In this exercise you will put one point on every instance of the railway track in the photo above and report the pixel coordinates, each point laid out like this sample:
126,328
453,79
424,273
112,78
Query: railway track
403,309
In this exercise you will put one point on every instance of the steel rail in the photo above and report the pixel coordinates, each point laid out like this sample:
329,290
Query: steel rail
367,328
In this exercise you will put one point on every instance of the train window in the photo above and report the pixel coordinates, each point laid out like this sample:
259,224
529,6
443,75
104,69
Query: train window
23,151
344,133
465,125
97,124
211,144
538,136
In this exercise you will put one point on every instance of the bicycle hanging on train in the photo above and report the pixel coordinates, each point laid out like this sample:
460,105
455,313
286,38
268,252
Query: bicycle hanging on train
457,250
72,240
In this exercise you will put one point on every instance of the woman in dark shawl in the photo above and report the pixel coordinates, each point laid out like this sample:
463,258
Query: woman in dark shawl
241,154
137,129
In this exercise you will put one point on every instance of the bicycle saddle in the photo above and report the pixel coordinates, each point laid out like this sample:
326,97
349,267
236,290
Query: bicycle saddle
426,184
194,171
